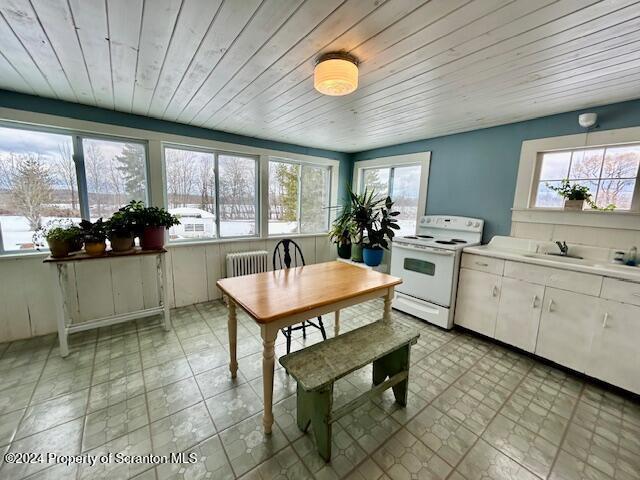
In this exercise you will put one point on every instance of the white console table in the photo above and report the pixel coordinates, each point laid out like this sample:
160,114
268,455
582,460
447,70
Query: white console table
66,327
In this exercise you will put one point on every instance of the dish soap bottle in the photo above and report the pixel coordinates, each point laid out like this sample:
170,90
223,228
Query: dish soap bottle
632,257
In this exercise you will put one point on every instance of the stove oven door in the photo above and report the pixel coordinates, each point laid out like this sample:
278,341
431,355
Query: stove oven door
426,272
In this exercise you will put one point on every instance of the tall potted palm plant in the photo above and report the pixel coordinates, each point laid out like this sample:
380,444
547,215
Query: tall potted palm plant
375,224
342,232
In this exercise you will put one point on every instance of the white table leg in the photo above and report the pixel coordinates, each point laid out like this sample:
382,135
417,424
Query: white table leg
232,326
336,324
388,298
62,308
269,335
161,266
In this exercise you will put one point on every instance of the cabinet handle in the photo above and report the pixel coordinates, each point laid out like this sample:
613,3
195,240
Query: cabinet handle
482,264
551,306
534,303
494,291
604,321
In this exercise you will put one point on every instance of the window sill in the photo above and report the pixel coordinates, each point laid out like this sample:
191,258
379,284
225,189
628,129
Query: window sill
213,241
586,218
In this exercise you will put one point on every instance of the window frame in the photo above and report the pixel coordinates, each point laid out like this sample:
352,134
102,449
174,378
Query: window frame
77,136
216,153
329,168
423,159
533,192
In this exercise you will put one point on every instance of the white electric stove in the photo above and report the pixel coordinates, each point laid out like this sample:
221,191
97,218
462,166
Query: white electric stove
428,264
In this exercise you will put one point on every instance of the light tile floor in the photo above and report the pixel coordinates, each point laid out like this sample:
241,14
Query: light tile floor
476,410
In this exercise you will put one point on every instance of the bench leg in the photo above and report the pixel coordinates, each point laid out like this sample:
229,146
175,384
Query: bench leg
315,408
388,366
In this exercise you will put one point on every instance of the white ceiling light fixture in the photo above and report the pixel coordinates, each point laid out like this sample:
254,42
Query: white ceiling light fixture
336,74
587,120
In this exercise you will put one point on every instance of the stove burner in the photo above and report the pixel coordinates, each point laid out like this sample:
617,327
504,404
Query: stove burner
445,242
410,236
458,240
425,236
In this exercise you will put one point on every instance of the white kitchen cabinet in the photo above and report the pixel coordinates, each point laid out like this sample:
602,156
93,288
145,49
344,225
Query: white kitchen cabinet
567,326
519,313
615,356
478,299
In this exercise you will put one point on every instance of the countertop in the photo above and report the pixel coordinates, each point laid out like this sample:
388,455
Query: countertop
596,267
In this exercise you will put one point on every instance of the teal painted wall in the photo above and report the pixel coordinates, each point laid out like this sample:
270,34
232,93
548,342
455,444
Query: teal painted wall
474,173
33,103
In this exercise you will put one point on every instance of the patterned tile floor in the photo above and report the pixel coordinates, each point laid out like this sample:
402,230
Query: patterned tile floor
476,410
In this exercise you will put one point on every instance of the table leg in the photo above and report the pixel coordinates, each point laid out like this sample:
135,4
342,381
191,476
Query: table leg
388,298
232,326
162,289
268,361
62,309
336,325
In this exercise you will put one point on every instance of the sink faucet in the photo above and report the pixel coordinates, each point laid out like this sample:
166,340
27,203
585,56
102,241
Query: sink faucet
564,249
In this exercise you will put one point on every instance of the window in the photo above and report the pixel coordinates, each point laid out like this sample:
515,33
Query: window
402,184
298,197
39,183
198,196
610,173
116,174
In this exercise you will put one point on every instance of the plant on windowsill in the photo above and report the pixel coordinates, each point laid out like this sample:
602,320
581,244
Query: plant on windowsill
375,224
576,196
152,222
95,236
121,228
342,231
62,237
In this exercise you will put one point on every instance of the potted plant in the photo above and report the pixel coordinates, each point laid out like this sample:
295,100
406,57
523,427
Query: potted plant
375,224
154,221
120,231
576,196
62,238
95,235
342,231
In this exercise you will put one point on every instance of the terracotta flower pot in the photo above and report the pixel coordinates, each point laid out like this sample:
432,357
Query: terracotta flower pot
121,244
152,238
59,248
95,249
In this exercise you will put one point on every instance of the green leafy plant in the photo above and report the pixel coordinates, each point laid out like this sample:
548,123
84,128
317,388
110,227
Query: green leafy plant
576,191
94,232
374,219
57,230
343,228
140,216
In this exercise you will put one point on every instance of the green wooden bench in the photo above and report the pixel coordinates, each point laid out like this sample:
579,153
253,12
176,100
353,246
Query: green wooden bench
387,344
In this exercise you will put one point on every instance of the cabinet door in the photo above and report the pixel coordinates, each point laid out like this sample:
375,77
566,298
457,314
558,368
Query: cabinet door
566,327
615,356
519,313
477,302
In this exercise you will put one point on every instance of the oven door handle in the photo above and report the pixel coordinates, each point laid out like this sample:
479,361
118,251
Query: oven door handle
446,253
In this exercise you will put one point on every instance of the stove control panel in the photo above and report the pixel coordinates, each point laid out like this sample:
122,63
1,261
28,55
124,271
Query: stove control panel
453,223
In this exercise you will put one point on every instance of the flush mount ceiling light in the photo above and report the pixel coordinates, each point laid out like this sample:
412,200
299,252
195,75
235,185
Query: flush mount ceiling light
336,74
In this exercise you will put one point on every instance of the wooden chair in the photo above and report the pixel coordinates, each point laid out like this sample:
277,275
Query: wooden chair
288,254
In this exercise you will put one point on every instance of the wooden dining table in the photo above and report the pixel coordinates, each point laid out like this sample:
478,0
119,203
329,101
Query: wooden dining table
281,298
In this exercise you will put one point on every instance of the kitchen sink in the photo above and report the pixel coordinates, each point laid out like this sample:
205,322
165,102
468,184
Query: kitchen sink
560,258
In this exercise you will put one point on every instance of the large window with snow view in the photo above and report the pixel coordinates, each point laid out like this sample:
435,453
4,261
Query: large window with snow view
298,197
609,173
214,194
50,177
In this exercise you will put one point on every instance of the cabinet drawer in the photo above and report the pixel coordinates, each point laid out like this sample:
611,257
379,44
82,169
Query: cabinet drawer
575,281
527,272
621,291
483,264
554,277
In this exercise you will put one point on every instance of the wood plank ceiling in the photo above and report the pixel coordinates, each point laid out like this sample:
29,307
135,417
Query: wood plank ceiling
428,67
